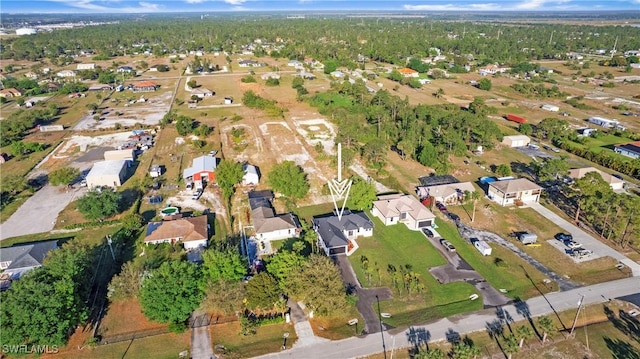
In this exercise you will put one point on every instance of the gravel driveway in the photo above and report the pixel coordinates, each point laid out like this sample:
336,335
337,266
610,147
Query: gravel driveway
469,232
39,213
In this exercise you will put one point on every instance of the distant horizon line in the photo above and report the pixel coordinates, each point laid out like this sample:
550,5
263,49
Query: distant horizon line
361,11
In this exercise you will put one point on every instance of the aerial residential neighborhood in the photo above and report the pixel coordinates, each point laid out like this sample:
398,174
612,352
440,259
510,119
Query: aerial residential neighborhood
193,179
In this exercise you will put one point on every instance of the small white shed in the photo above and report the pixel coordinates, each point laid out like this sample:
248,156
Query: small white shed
516,140
251,175
552,108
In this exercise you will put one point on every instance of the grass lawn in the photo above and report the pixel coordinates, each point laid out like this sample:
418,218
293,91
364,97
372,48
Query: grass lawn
268,339
398,246
600,143
160,346
512,277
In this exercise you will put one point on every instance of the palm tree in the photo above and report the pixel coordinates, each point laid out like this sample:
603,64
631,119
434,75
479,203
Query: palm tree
547,326
524,333
472,197
511,345
439,93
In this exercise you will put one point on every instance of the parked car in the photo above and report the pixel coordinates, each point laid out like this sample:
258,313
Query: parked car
197,194
441,207
555,150
573,244
454,217
189,185
427,232
563,237
581,253
445,243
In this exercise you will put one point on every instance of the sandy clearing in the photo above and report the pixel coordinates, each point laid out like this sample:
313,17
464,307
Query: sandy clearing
84,142
244,155
317,131
209,200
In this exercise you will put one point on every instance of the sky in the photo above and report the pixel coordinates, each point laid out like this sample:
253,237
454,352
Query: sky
148,6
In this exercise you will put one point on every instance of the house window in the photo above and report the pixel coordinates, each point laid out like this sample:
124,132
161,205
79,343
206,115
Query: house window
511,195
5,265
350,233
403,215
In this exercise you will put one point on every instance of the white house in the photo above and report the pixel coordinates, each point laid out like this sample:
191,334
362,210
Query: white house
401,208
251,175
450,193
512,191
85,66
66,73
604,122
629,149
552,108
516,140
337,74
295,63
270,75
268,225
201,92
193,232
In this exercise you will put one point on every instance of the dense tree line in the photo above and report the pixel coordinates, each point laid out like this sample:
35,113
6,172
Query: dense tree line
373,123
335,40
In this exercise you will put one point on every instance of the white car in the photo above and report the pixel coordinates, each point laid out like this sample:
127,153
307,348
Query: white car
197,194
573,244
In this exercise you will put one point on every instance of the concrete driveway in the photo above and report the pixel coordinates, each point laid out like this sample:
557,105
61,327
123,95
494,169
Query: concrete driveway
586,239
200,339
39,213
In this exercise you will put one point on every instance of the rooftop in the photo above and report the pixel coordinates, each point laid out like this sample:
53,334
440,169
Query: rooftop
27,255
184,229
437,180
515,185
331,229
103,168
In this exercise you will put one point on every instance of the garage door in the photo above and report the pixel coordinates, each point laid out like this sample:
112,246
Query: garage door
424,224
337,250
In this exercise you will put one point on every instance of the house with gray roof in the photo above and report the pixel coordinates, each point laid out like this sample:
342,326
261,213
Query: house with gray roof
267,224
15,261
338,236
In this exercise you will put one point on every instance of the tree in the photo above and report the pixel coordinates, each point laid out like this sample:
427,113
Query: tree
172,292
283,264
224,297
524,333
46,305
361,195
546,324
203,130
484,84
319,285
478,106
503,170
511,345
289,179
525,129
226,265
99,205
192,83
263,292
131,222
465,350
551,169
439,93
14,183
228,174
63,176
586,190
430,354
472,197
126,284
184,125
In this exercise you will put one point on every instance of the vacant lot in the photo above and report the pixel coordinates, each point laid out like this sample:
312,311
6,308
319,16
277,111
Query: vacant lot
269,338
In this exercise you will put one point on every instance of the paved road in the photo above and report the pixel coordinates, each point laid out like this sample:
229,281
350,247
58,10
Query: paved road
462,324
39,213
586,239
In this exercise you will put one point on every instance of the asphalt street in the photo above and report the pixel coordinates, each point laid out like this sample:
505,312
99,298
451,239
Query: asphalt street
462,324
586,239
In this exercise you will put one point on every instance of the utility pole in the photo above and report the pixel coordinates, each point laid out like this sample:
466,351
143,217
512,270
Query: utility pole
384,349
577,313
551,37
109,241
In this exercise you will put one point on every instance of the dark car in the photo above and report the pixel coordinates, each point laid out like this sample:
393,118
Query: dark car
564,237
441,207
427,232
454,217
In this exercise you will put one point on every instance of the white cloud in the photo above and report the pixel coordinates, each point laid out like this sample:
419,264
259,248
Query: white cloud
454,7
194,1
235,2
102,6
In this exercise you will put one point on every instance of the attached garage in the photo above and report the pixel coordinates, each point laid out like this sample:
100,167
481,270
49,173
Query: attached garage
425,224
107,174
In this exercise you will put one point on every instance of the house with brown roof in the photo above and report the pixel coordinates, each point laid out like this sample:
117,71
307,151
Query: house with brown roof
267,224
615,183
193,232
407,72
514,191
144,86
10,92
402,208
